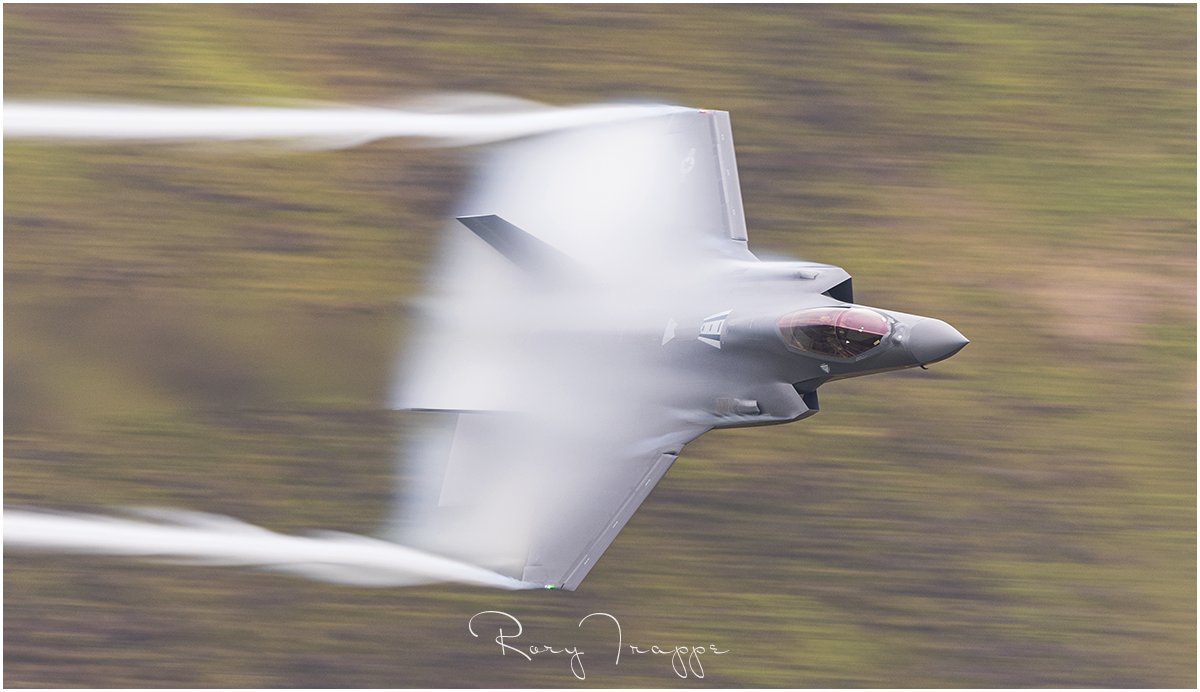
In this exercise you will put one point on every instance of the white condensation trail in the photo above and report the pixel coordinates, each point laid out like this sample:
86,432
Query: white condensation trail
332,125
207,539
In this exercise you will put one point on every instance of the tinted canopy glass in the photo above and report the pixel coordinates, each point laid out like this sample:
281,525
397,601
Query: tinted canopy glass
834,332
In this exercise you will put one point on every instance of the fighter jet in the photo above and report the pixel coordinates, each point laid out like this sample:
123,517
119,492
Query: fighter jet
596,309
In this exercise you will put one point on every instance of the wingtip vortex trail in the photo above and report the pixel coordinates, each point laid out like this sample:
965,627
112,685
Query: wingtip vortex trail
206,539
332,126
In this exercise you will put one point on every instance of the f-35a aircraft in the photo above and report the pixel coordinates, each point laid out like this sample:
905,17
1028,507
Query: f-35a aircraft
595,310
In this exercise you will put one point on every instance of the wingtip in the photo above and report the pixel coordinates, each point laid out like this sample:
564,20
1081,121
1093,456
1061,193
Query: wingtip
538,586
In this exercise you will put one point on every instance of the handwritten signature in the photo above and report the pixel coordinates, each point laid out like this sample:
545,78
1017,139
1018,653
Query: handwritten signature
685,660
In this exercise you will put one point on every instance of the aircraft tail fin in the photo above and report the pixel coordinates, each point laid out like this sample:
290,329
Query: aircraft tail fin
528,252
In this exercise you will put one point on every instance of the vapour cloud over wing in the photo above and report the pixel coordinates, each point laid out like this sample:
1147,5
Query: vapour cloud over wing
562,411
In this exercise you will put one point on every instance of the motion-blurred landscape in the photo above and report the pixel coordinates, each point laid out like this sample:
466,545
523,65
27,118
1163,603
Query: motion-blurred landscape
214,327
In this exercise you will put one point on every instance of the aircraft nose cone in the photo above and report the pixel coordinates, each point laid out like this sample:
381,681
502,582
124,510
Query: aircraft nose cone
932,340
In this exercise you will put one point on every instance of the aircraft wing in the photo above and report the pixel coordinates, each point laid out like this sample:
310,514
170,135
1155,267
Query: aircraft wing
542,510
542,341
657,189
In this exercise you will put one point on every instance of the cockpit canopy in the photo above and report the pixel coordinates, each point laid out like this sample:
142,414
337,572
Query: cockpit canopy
834,332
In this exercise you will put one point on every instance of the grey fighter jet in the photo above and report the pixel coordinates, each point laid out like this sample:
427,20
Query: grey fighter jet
595,310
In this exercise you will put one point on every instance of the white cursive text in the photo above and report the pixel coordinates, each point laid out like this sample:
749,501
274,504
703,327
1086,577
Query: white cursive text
686,661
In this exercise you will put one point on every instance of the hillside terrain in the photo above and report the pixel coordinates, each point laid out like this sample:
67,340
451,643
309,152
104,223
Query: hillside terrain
215,328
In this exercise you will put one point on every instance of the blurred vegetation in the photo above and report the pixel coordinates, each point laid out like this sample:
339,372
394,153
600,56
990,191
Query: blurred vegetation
213,327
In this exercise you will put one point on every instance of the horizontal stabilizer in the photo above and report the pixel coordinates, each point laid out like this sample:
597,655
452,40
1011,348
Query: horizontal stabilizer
531,254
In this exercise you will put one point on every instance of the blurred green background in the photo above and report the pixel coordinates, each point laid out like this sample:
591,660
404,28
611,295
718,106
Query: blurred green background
213,327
